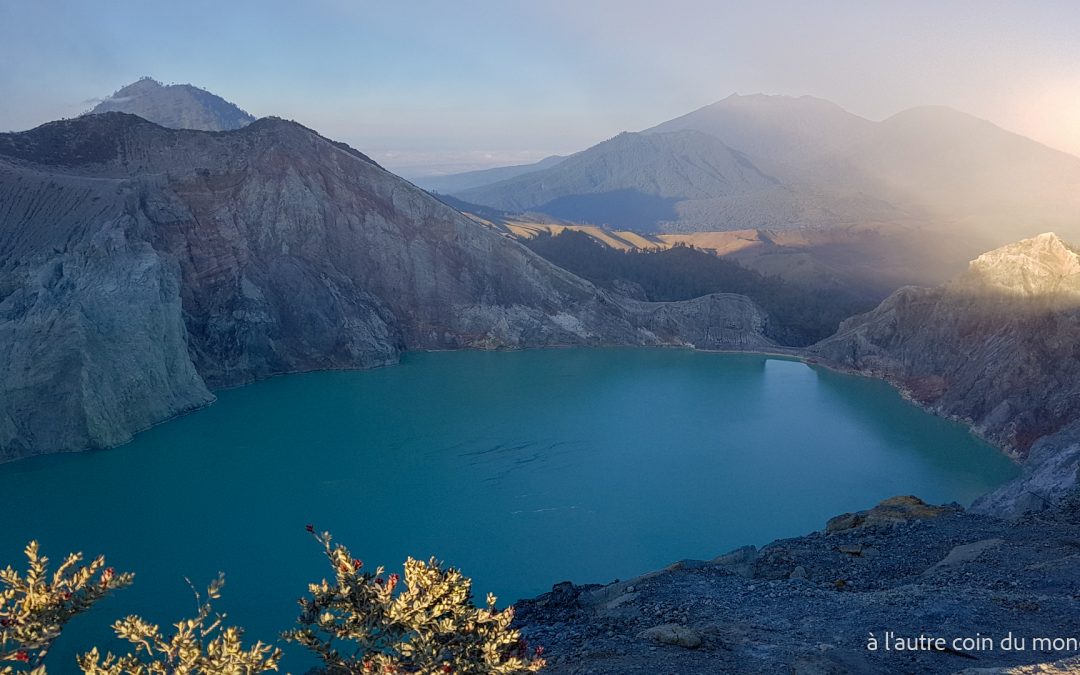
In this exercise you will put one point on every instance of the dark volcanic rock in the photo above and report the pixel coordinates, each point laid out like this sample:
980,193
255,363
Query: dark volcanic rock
142,266
809,605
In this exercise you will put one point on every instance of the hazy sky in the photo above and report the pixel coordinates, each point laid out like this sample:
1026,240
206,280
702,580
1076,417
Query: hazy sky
429,86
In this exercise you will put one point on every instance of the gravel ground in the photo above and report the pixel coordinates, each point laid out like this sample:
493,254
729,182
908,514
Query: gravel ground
810,604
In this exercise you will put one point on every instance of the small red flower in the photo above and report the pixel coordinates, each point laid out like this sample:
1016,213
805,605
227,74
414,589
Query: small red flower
5,622
357,563
22,655
394,578
447,668
379,580
310,528
539,651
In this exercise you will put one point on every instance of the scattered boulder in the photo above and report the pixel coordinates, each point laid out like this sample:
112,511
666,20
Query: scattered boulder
739,561
966,553
673,634
564,594
1051,473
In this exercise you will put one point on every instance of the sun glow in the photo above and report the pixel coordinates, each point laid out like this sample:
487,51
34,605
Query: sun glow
1049,112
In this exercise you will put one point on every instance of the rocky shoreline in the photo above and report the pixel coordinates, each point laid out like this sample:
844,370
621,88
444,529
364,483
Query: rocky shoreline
809,605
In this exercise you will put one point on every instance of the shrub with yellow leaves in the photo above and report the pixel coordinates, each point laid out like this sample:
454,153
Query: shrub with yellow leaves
362,623
34,608
200,645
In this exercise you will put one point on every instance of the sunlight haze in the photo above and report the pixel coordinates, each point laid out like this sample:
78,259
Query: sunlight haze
433,87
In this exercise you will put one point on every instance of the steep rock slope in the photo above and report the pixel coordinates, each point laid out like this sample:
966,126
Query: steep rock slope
141,267
789,137
647,182
177,106
997,347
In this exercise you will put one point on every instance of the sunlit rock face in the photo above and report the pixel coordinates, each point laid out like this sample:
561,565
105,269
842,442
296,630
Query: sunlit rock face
141,267
999,347
1042,265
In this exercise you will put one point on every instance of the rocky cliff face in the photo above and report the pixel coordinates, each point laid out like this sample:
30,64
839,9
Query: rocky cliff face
141,267
997,347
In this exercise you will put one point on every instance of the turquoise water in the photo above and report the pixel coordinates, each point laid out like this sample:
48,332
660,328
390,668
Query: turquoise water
523,469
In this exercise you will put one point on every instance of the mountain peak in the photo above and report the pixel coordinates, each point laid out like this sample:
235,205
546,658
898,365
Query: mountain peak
143,85
1040,265
177,106
775,99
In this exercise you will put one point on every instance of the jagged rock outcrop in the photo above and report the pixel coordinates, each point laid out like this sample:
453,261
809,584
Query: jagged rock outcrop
177,106
142,267
1051,472
899,509
997,348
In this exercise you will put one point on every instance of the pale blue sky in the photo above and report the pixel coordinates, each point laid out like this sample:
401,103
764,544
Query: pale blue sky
426,86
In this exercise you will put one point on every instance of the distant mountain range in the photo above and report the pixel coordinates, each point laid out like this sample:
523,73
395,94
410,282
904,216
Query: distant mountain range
464,181
779,162
176,106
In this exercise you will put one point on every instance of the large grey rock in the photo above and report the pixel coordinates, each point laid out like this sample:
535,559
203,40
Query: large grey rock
673,634
966,553
1051,473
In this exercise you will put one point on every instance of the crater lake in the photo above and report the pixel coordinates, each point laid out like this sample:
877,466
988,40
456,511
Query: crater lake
523,469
